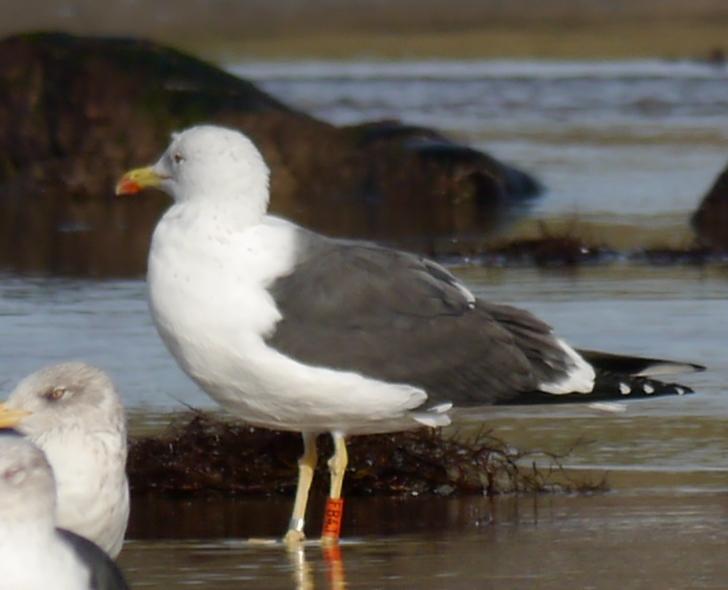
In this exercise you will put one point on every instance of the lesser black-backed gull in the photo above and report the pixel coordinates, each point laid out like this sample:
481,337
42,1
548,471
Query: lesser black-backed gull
73,413
34,554
292,330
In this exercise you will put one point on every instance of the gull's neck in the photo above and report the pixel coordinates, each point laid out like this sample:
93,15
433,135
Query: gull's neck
35,515
229,209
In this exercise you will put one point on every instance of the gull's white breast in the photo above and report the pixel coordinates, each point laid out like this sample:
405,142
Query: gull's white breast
34,557
209,299
91,486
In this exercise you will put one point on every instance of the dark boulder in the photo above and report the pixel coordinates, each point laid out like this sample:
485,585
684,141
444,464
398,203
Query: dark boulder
76,112
710,220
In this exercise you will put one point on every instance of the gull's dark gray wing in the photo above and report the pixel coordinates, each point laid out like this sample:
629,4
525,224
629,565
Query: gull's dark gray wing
105,574
402,318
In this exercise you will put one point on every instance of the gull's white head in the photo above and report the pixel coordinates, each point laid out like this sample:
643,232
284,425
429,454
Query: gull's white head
205,162
68,395
27,487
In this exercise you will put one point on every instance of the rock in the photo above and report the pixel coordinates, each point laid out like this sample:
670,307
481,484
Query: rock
77,112
710,220
456,192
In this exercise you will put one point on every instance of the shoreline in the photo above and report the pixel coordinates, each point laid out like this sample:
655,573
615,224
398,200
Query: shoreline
701,41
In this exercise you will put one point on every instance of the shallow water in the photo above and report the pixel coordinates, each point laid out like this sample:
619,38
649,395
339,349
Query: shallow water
607,541
626,148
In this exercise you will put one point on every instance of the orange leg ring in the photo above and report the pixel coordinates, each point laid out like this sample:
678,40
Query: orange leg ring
332,518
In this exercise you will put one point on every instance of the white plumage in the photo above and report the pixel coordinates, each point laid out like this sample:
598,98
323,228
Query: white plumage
33,556
580,377
76,418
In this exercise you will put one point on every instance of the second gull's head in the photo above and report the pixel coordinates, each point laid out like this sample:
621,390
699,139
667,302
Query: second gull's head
64,396
27,487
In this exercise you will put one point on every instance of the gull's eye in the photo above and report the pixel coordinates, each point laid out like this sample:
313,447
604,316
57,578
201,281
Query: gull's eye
55,393
14,475
178,158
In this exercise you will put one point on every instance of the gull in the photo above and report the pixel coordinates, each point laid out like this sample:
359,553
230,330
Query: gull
292,330
34,554
73,413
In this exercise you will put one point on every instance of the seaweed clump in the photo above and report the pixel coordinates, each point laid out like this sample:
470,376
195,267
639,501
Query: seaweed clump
551,251
201,456
550,248
695,255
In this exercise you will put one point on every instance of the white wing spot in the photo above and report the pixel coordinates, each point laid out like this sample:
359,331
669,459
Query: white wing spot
648,389
624,389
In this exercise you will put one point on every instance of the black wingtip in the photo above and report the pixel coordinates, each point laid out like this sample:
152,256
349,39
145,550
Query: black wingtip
631,387
638,366
610,388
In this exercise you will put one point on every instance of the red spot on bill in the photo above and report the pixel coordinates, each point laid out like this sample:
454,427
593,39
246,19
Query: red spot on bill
127,186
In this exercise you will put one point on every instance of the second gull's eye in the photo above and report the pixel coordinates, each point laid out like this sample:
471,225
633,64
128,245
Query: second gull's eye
55,394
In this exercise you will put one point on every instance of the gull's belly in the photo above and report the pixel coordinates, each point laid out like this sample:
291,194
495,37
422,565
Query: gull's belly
266,388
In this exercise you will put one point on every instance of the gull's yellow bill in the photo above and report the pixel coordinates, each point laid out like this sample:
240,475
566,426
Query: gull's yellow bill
135,180
10,417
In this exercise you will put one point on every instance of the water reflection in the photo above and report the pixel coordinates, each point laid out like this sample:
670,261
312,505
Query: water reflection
302,574
303,577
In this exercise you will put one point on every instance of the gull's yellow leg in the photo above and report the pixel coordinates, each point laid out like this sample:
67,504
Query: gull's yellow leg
306,468
335,503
